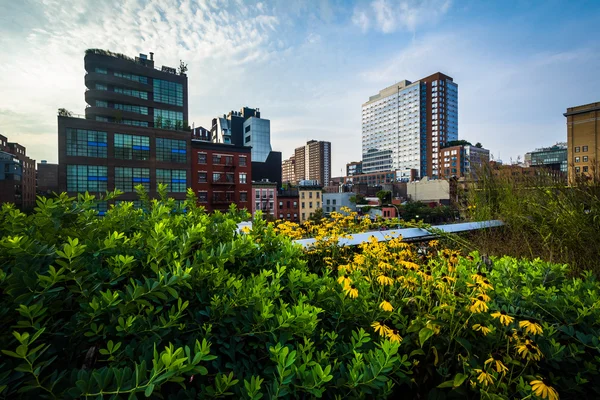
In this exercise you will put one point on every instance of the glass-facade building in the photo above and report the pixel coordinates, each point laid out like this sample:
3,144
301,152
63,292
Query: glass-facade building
404,126
554,157
257,134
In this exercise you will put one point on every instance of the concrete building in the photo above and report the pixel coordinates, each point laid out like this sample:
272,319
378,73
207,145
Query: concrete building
221,173
405,125
554,158
47,178
429,191
289,206
310,198
463,161
264,198
354,168
313,162
19,181
583,144
288,170
335,201
373,179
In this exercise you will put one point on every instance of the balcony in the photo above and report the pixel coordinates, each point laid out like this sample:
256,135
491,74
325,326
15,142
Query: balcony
221,200
222,182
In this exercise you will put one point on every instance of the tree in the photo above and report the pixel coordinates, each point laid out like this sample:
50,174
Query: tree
317,216
63,112
358,199
458,143
385,196
478,145
182,67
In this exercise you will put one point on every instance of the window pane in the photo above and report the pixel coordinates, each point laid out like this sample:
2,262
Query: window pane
171,150
86,143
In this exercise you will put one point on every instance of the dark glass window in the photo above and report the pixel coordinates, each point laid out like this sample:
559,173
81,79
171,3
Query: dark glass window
127,178
170,150
133,122
201,158
168,92
243,196
86,178
168,119
130,108
202,177
203,197
131,77
134,93
248,138
131,147
175,178
85,143
242,161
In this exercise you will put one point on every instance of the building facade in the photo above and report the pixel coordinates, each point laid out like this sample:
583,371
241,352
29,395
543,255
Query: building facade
405,125
333,202
354,168
19,181
288,205
583,144
310,199
264,195
132,91
554,158
221,174
373,179
463,161
288,170
47,178
313,162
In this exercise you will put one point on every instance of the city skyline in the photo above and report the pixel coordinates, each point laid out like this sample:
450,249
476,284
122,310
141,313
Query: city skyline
310,67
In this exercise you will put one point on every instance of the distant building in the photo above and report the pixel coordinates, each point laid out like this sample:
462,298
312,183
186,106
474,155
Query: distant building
221,174
463,161
373,179
335,201
583,145
264,198
405,125
310,198
313,162
17,180
47,178
554,158
430,191
288,208
354,168
288,170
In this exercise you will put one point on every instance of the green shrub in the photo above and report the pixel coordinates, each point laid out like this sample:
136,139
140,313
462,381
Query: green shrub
171,302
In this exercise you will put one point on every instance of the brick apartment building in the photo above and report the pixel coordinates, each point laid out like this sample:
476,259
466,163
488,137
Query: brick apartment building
17,179
221,173
288,208
264,195
583,146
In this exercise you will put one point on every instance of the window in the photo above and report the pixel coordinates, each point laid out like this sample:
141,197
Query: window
242,161
131,77
85,143
203,197
168,92
133,93
90,178
100,103
577,149
334,200
303,215
577,169
243,196
127,178
201,158
130,108
302,196
202,177
228,160
247,129
168,119
295,204
288,215
170,150
216,159
101,70
103,119
100,86
133,122
585,158
318,204
216,176
584,149
577,159
585,168
230,177
280,205
328,201
288,204
310,195
242,177
280,216
247,139
174,178
310,204
130,147
318,195
333,208
302,204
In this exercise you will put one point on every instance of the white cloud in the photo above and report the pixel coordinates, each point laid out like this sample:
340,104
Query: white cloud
360,19
392,15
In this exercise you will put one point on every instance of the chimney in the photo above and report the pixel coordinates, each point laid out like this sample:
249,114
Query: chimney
151,56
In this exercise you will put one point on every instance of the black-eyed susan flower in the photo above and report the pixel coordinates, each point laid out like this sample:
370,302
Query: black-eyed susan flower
344,280
497,365
385,280
541,389
351,291
481,328
528,350
394,335
484,378
504,318
380,328
531,327
386,306
478,305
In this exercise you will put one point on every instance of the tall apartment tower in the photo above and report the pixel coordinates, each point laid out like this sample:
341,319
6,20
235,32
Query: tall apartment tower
288,170
583,141
134,132
405,125
313,162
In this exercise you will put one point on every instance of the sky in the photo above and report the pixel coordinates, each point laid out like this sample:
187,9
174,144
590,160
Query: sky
310,65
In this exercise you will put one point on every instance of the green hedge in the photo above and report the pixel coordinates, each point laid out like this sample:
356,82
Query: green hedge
171,302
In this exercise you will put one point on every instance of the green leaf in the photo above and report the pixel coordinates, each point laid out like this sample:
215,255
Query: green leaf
424,334
446,384
459,379
149,390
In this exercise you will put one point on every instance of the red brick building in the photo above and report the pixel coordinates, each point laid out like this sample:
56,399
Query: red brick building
288,206
20,187
264,195
221,173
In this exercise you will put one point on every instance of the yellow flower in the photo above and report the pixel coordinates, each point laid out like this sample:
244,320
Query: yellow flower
434,243
344,280
481,328
245,229
478,305
541,389
484,378
497,365
531,327
351,291
386,306
394,335
505,319
380,328
385,280
528,350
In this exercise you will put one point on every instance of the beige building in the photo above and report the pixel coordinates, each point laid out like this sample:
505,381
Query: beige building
310,200
313,162
583,127
429,191
288,170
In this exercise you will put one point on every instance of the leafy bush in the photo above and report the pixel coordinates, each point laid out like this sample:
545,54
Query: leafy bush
171,302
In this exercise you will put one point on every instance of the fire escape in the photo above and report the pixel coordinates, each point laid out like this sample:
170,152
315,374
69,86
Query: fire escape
225,183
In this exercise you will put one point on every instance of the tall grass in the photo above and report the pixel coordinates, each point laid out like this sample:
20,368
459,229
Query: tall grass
544,217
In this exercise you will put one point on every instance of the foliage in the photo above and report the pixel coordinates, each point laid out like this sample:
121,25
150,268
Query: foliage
358,199
63,112
108,53
384,196
457,143
417,210
183,68
173,303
